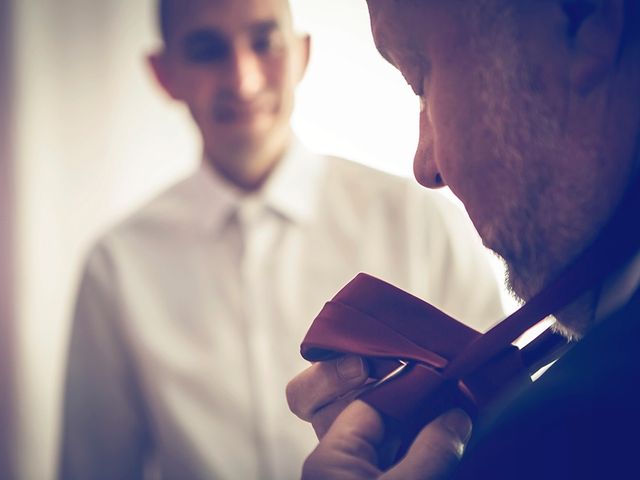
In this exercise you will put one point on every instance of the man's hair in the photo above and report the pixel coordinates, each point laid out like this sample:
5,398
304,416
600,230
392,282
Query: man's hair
167,10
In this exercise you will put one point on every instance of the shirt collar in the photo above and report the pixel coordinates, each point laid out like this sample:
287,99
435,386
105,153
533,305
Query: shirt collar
619,288
291,190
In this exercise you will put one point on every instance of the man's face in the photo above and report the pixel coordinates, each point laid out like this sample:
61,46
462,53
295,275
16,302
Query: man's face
235,64
497,126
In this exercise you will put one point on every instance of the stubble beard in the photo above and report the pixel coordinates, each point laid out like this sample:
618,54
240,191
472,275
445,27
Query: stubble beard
537,227
507,124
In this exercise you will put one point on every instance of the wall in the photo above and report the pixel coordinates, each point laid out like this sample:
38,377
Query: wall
7,297
94,138
89,149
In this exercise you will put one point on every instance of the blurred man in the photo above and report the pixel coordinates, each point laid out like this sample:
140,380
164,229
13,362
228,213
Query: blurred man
190,313
531,115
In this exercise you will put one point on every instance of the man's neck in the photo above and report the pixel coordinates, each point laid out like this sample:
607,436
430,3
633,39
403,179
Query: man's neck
248,171
618,285
247,181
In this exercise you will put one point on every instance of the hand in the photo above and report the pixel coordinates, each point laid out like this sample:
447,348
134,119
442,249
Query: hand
352,446
322,391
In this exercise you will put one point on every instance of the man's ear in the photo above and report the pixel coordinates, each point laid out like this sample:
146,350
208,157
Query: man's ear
158,63
595,29
304,55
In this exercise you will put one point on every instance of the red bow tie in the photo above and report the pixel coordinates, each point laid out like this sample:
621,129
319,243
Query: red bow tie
429,362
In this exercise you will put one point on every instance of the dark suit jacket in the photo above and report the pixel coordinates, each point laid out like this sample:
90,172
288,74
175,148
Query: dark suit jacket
580,420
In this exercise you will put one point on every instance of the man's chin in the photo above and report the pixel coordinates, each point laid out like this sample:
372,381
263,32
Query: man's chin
243,130
243,122
518,284
524,278
238,137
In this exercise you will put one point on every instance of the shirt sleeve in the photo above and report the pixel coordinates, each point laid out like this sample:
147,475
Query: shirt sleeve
104,432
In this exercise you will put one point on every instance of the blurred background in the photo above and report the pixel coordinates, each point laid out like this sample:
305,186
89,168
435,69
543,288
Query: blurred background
86,137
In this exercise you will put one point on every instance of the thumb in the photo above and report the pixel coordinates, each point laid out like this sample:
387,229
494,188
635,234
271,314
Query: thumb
436,450
349,449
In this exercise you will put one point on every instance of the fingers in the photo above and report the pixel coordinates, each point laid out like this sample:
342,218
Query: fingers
436,450
350,445
349,449
323,383
322,419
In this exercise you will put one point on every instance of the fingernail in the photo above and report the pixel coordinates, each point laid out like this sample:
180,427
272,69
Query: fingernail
350,367
458,422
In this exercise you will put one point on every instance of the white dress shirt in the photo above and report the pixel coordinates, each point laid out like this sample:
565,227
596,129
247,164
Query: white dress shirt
190,313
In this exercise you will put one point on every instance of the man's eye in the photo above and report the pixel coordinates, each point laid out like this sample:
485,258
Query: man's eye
413,77
417,76
267,43
203,47
416,85
423,103
207,53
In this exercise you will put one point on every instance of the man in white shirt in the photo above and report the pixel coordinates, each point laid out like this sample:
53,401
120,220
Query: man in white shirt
190,313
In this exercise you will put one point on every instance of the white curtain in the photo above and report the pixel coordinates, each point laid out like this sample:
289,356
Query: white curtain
93,138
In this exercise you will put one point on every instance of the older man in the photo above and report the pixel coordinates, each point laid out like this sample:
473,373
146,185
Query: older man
190,312
531,115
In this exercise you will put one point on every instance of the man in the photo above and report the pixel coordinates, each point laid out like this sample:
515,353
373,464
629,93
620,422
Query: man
531,115
190,313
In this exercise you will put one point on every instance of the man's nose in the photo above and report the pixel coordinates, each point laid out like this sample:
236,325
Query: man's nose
246,76
425,166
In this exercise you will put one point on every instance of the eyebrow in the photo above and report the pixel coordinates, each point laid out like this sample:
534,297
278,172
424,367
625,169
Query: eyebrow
206,34
202,37
265,27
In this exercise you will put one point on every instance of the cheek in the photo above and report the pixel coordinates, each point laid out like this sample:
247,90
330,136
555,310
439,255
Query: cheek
461,147
281,86
277,72
199,86
451,130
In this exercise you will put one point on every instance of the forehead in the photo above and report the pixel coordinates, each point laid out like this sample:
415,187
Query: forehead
228,17
399,24
429,27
